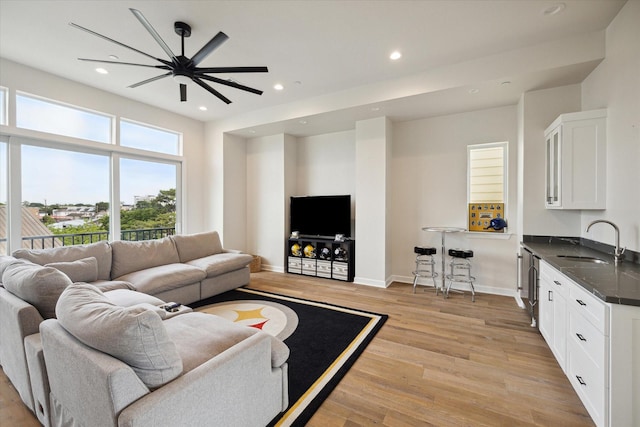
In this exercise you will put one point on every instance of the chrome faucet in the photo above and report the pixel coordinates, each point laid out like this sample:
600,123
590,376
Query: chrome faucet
618,254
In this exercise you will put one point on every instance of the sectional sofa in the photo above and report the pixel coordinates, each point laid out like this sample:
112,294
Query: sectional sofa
131,275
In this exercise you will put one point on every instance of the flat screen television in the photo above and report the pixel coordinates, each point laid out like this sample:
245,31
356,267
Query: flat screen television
323,216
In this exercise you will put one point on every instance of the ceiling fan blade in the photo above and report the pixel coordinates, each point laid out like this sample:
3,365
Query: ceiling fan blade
152,79
153,33
231,83
212,90
118,43
183,92
232,70
162,67
211,45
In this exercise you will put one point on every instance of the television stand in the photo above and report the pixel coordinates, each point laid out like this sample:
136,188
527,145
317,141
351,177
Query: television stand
322,257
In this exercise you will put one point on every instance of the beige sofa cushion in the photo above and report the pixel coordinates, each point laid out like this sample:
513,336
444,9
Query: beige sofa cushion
127,298
82,270
135,256
155,280
101,251
200,337
218,264
39,286
197,245
134,335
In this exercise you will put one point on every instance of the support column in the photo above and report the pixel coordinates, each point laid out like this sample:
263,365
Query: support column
373,160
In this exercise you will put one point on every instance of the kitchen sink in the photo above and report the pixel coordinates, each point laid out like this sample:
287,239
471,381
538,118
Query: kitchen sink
583,259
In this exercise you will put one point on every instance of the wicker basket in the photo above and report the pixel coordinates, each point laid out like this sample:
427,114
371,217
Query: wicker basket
256,265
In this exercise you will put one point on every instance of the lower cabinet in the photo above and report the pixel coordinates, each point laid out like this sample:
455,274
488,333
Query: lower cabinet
597,344
328,258
553,313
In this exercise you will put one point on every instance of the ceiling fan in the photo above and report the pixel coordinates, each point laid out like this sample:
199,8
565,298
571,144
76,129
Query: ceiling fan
181,68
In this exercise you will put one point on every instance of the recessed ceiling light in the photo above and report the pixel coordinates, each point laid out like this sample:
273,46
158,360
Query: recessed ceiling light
252,131
278,86
375,108
555,9
395,55
474,90
202,108
101,71
303,122
113,57
505,83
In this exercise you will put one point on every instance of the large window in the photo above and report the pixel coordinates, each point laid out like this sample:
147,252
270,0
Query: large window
47,116
487,185
148,199
149,138
3,198
3,106
73,191
65,195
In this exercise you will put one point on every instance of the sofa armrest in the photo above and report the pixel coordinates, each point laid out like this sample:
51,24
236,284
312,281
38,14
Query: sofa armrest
238,387
232,251
18,320
98,387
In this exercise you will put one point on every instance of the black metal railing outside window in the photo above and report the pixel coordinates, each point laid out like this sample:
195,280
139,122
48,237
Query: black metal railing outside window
57,240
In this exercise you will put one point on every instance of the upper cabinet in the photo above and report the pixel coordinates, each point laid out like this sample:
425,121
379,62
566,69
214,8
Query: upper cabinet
576,161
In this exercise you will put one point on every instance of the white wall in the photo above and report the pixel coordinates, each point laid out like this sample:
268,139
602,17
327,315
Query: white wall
429,188
540,109
234,171
18,77
325,165
266,186
615,85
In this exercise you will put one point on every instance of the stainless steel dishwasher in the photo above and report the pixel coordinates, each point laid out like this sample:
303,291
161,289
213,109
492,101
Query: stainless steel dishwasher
528,272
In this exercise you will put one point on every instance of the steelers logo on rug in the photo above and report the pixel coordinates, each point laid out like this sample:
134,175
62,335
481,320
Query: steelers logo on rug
271,317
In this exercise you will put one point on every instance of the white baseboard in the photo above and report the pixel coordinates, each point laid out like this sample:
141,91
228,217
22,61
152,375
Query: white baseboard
274,268
479,287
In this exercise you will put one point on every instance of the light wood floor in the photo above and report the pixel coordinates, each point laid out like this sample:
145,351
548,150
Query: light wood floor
435,362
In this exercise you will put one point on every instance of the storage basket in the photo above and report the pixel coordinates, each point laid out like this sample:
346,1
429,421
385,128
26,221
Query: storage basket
256,265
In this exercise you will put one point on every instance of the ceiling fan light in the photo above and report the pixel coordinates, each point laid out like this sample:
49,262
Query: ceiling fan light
182,79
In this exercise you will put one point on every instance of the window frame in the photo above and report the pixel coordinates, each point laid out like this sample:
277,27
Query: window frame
505,176
179,135
112,118
4,106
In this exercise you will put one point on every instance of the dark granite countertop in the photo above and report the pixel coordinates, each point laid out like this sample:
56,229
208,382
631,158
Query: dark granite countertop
616,284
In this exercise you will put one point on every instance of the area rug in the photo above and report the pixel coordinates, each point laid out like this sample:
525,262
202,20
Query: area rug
325,340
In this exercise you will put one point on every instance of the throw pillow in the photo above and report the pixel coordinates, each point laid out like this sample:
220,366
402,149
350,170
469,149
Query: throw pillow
99,250
82,270
135,335
199,245
39,286
6,261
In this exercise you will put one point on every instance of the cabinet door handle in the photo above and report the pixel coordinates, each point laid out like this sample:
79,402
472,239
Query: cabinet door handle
580,380
582,303
557,283
550,296
581,337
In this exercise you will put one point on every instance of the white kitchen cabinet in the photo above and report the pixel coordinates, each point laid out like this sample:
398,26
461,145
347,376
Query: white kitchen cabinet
553,312
576,161
601,352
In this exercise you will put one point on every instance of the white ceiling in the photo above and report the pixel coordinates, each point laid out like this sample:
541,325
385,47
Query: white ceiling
314,48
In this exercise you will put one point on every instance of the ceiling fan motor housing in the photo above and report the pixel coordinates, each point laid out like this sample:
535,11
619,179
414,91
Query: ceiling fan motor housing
182,29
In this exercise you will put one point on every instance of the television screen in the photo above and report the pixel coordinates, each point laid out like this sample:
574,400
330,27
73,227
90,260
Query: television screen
321,215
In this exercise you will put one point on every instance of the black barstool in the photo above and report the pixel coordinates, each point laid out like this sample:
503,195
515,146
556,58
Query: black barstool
424,266
460,270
